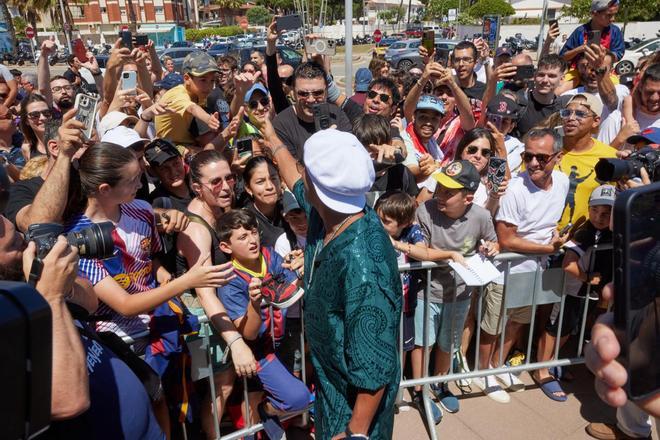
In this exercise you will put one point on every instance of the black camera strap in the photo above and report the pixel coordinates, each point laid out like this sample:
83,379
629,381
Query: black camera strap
35,272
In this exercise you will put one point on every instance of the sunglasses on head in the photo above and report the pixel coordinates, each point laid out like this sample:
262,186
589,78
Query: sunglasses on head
473,149
253,104
542,159
384,98
35,114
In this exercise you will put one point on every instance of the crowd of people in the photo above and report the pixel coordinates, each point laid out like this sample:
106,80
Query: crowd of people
266,199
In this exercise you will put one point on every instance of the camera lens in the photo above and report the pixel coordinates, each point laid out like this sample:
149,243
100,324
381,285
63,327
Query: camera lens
611,170
94,241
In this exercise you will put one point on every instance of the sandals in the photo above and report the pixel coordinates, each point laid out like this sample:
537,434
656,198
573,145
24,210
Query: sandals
550,386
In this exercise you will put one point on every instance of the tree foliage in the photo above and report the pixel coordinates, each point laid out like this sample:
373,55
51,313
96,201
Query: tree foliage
19,26
436,9
221,31
259,16
392,14
490,7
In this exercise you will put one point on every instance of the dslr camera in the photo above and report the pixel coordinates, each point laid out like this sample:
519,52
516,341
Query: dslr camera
94,242
613,170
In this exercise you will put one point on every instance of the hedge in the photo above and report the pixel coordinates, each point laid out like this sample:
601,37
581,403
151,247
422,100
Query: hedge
224,31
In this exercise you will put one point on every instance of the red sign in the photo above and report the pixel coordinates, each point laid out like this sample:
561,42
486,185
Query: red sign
244,23
124,28
29,32
378,35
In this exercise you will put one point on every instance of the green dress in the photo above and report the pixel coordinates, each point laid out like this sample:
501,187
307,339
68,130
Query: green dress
352,309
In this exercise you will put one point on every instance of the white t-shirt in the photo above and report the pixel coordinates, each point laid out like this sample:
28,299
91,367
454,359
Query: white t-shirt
6,74
610,120
514,147
646,121
534,211
283,247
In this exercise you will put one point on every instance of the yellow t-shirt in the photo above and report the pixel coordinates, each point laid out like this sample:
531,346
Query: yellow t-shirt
176,126
579,167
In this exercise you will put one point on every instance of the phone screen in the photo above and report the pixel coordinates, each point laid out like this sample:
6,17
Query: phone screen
428,41
594,38
524,72
79,50
288,22
636,286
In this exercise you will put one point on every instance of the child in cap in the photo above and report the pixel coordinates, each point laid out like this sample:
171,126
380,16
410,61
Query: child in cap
453,228
260,275
503,112
588,270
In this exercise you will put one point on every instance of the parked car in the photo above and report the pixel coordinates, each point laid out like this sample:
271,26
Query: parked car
381,48
218,49
443,49
404,54
177,54
182,44
288,55
631,56
414,31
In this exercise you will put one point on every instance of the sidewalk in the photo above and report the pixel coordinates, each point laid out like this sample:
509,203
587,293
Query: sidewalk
529,415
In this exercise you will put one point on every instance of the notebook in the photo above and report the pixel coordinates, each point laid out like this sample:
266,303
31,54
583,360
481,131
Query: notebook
478,272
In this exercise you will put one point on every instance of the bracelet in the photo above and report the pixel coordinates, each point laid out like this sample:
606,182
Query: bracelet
276,149
148,121
225,355
350,435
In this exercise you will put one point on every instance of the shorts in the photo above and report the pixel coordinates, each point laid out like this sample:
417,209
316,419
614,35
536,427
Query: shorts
439,324
491,321
408,324
572,319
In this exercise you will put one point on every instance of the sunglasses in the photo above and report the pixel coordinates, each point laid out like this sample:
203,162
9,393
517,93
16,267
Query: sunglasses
542,159
384,98
306,94
473,149
265,102
579,114
35,114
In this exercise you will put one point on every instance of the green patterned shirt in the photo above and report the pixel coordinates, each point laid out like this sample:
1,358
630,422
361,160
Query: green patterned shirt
352,310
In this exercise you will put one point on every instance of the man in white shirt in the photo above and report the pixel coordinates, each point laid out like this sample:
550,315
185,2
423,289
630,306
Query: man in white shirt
526,223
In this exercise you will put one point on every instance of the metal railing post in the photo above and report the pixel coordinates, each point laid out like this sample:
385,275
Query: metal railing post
209,366
425,361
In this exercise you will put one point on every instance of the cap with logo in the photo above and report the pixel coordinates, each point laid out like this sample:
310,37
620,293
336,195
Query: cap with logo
159,151
590,100
603,195
257,87
650,135
459,174
502,51
363,78
199,63
340,184
503,106
599,5
429,102
169,81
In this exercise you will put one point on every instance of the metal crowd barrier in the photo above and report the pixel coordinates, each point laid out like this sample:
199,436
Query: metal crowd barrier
546,287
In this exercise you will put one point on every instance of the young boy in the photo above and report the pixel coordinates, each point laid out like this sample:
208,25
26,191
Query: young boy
453,228
183,125
584,267
260,275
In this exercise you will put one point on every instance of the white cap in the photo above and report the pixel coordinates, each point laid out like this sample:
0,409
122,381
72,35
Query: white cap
340,169
122,136
112,120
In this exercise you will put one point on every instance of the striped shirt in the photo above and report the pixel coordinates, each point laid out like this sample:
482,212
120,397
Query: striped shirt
136,241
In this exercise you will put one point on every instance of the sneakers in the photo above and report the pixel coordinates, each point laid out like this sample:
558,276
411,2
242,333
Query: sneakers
272,426
510,382
436,412
491,389
445,397
279,293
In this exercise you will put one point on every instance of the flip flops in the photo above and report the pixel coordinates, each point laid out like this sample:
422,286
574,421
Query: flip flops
550,386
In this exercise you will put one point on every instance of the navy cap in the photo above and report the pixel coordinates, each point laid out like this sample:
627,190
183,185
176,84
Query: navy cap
169,81
363,78
650,135
503,106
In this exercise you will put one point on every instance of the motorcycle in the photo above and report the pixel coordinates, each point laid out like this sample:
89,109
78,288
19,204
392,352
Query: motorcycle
60,56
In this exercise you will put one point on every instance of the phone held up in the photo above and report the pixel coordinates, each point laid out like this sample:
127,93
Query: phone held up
637,286
86,107
321,116
129,80
288,22
428,41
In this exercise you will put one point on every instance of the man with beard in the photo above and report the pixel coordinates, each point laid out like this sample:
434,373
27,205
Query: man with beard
423,150
63,94
58,91
464,59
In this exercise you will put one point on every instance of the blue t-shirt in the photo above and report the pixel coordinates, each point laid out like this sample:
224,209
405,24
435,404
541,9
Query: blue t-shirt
413,235
611,38
236,300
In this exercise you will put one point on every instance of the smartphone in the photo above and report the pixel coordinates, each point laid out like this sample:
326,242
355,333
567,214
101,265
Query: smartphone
593,38
141,40
244,147
86,106
321,46
636,287
496,173
288,22
321,116
129,80
524,72
553,23
428,41
79,50
496,120
126,39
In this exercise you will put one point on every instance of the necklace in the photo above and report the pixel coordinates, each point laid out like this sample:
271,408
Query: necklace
336,231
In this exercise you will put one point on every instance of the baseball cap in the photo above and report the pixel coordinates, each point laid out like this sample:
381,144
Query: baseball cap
114,119
289,202
599,5
502,51
122,136
591,101
256,87
603,195
199,63
159,151
650,135
340,184
504,106
459,174
169,81
363,77
429,102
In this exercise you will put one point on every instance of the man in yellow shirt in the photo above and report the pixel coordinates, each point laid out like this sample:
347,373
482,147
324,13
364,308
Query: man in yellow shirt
188,117
581,152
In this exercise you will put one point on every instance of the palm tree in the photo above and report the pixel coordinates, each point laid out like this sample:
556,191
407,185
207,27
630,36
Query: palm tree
32,10
226,5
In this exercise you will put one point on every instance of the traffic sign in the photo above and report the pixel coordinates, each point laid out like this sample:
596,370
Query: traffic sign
29,32
244,24
124,28
378,35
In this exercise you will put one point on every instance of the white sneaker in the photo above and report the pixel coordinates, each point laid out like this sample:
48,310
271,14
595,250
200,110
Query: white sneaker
461,366
510,382
490,387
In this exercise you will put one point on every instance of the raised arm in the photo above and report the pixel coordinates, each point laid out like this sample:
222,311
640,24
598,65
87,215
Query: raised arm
43,70
462,101
606,89
432,70
286,163
93,66
274,81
